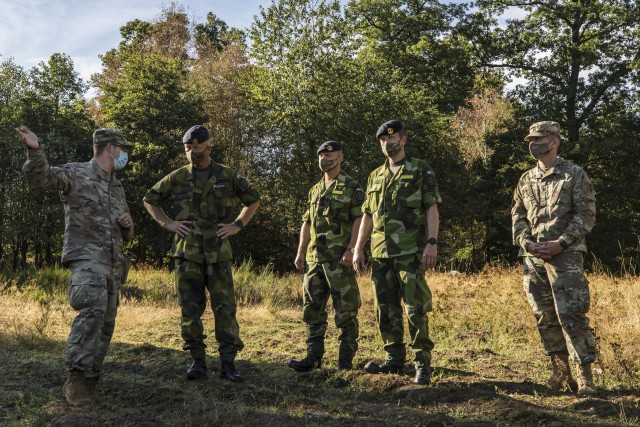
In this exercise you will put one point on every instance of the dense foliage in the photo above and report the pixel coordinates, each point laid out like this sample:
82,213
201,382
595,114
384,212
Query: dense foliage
466,81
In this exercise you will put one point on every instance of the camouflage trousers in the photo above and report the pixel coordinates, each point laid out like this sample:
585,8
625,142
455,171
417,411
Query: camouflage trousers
192,279
558,293
397,280
338,281
93,292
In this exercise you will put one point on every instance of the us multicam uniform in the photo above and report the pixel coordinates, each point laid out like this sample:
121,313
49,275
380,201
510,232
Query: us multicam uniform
93,200
398,204
330,214
202,259
549,205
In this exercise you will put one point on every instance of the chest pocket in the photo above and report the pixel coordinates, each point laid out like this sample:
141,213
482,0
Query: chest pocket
220,200
407,193
182,204
374,197
340,202
565,196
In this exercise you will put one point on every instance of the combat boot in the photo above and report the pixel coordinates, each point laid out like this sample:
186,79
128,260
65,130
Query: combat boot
91,384
561,373
75,390
198,369
373,368
309,363
586,387
229,372
345,365
423,376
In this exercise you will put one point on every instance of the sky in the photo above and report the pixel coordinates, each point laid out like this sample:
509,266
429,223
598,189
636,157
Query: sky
32,30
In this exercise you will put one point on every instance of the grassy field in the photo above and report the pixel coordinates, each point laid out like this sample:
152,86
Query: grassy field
489,364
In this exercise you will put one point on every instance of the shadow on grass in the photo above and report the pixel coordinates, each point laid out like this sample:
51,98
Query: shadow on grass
145,385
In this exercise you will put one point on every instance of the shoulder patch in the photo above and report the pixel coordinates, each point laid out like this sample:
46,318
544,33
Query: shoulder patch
241,182
359,195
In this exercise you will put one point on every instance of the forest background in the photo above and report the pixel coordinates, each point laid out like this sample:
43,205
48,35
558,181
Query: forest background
466,83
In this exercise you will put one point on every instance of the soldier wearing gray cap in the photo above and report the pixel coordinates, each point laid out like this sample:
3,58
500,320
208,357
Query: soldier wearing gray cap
553,209
327,237
97,223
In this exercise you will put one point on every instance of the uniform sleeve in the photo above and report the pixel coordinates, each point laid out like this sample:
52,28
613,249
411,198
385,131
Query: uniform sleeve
160,192
367,207
430,193
243,190
584,209
519,220
42,177
357,199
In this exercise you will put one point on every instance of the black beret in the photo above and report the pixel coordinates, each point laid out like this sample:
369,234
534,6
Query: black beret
196,135
389,128
330,146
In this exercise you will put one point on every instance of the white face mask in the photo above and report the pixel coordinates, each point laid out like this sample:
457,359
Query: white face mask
121,161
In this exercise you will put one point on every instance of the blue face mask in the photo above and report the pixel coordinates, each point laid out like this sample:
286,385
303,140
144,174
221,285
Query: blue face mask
121,161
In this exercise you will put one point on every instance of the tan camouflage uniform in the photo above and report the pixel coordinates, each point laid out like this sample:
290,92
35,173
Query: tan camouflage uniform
551,205
202,259
398,204
93,200
330,214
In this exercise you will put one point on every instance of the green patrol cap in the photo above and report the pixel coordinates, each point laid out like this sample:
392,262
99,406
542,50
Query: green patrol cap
106,135
541,129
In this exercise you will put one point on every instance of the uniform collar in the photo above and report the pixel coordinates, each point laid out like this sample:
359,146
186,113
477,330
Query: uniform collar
555,169
103,174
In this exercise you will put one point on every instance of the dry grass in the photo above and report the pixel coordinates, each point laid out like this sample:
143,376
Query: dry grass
489,363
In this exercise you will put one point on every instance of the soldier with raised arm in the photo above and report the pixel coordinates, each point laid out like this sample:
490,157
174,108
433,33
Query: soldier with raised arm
97,223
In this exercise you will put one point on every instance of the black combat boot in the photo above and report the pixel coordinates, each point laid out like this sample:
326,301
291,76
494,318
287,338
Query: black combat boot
229,372
309,363
423,376
345,365
198,369
373,368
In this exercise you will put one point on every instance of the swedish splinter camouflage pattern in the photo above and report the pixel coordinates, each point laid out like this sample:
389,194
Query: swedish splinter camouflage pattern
339,281
206,205
552,205
93,200
331,213
192,278
398,204
202,258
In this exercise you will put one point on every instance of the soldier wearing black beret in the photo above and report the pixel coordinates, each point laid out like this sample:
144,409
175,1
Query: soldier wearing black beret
328,234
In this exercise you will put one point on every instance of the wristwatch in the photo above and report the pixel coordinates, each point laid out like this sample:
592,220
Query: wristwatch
238,223
349,249
432,241
563,243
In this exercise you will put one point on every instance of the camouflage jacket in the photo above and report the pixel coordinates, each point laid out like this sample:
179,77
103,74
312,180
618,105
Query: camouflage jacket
331,213
558,203
93,200
398,205
206,205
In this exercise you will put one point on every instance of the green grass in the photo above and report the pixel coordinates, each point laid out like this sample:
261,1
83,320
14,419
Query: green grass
489,366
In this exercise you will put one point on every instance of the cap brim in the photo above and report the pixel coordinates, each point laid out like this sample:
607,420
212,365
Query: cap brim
534,135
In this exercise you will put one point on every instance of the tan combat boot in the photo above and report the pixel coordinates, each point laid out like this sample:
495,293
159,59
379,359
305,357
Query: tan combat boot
585,380
75,390
561,374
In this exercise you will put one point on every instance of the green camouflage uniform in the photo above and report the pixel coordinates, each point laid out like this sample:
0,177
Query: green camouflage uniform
547,206
397,204
330,214
202,259
93,200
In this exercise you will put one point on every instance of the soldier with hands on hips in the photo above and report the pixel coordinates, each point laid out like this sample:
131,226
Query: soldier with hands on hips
554,208
97,223
401,216
202,194
327,238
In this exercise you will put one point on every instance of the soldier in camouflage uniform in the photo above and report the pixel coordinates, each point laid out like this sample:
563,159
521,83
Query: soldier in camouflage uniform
201,195
327,237
97,223
402,197
553,209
